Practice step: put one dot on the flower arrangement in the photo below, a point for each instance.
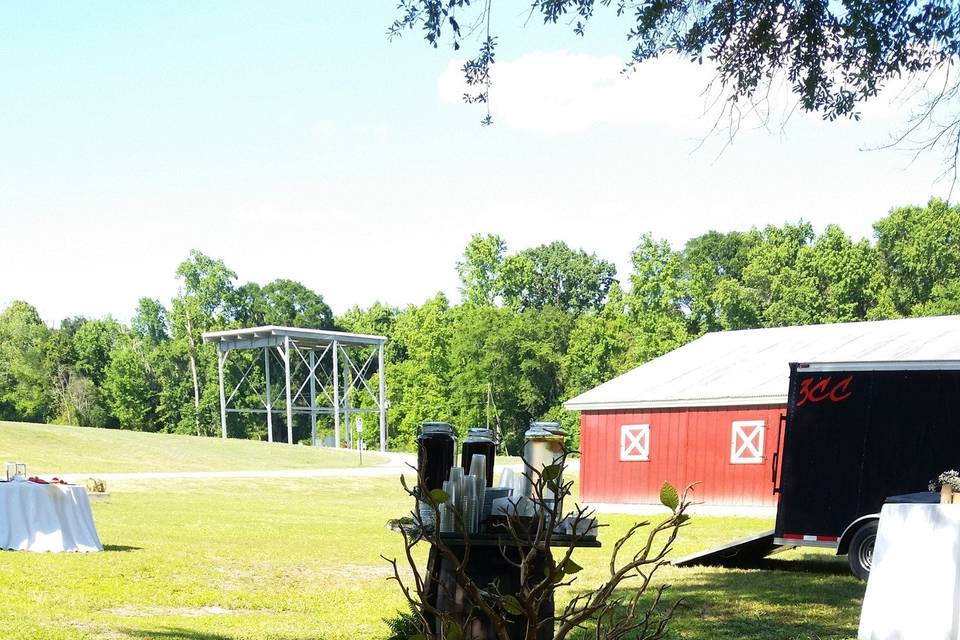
(948, 483)
(950, 478)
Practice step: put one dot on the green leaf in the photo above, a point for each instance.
(417, 636)
(570, 567)
(682, 518)
(439, 496)
(552, 472)
(512, 605)
(669, 496)
(454, 631)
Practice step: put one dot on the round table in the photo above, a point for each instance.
(46, 517)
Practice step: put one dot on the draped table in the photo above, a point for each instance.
(46, 517)
(914, 588)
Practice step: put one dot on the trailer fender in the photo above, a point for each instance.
(843, 544)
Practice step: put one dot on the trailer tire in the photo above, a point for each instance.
(860, 553)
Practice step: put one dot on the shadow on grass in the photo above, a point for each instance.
(809, 600)
(177, 633)
(120, 547)
(826, 566)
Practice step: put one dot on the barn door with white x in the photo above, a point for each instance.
(635, 442)
(746, 446)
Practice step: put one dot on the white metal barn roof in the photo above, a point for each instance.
(750, 367)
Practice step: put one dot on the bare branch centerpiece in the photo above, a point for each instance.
(493, 572)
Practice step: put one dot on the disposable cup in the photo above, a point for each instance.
(478, 466)
(506, 478)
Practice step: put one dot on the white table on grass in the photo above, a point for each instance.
(46, 517)
(914, 587)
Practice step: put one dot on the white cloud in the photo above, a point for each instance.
(555, 92)
(560, 92)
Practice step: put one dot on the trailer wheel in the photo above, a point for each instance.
(860, 553)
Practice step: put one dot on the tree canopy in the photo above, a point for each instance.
(551, 275)
(834, 55)
(522, 340)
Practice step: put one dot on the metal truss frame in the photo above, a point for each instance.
(322, 373)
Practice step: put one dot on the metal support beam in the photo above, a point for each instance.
(382, 393)
(313, 398)
(348, 384)
(286, 372)
(221, 356)
(312, 387)
(269, 403)
(335, 374)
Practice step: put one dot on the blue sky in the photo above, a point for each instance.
(292, 139)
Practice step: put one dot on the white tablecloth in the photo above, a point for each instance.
(914, 587)
(46, 517)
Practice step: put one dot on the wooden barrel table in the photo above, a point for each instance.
(485, 566)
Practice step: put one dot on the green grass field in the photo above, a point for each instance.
(299, 559)
(56, 449)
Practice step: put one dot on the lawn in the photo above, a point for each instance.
(299, 559)
(54, 449)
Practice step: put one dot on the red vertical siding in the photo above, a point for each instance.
(686, 445)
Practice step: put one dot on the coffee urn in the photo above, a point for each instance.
(543, 447)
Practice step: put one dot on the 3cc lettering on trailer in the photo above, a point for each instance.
(819, 389)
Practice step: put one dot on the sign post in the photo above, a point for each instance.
(359, 423)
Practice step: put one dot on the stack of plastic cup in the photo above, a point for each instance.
(454, 490)
(478, 470)
(446, 510)
(456, 477)
(481, 489)
(478, 467)
(520, 484)
(507, 479)
(470, 505)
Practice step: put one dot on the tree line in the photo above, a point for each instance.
(534, 327)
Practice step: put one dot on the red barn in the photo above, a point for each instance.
(710, 410)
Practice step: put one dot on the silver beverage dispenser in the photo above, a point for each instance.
(543, 447)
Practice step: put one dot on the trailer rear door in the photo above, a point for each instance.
(823, 455)
(914, 433)
(858, 433)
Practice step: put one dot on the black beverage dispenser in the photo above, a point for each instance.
(479, 440)
(435, 453)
